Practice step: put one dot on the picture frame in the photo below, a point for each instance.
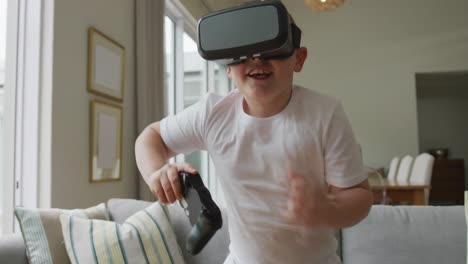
(106, 66)
(105, 160)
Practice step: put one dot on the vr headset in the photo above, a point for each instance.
(256, 29)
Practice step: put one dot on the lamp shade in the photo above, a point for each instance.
(323, 5)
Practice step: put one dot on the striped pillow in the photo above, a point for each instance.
(145, 237)
(42, 234)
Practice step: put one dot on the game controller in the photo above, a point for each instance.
(209, 219)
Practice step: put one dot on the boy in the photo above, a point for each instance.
(285, 157)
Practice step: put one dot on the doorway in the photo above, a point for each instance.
(442, 108)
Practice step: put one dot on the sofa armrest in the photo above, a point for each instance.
(406, 235)
(12, 249)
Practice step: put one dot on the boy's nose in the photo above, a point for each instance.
(256, 59)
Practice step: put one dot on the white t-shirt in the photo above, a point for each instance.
(251, 155)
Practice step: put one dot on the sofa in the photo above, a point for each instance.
(390, 234)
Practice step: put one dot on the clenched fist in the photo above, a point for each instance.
(308, 202)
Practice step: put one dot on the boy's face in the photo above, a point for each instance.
(265, 81)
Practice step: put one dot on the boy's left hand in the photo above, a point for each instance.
(309, 203)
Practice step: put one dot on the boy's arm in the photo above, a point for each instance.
(349, 205)
(150, 150)
(151, 155)
(312, 205)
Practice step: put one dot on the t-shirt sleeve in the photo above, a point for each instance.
(343, 161)
(185, 131)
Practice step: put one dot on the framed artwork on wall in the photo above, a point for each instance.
(106, 66)
(105, 162)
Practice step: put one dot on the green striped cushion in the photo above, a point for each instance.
(145, 237)
(42, 233)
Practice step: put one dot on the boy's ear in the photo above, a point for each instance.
(229, 72)
(301, 56)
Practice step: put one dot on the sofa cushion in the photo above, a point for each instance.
(215, 252)
(42, 234)
(407, 235)
(121, 209)
(145, 237)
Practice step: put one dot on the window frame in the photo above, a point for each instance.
(28, 95)
(185, 22)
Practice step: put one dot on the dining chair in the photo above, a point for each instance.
(392, 170)
(422, 172)
(372, 172)
(404, 169)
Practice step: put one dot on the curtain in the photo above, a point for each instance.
(149, 70)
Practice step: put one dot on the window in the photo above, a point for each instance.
(194, 87)
(27, 34)
(188, 78)
(169, 82)
(2, 93)
(195, 72)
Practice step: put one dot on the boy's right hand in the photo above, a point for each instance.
(165, 183)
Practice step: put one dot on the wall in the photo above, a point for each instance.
(71, 101)
(366, 54)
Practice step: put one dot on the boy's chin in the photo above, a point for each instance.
(261, 94)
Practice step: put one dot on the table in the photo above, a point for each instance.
(398, 192)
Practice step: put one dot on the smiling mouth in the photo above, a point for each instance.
(259, 75)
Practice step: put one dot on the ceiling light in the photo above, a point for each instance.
(323, 5)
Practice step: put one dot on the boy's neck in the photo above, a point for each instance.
(262, 110)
